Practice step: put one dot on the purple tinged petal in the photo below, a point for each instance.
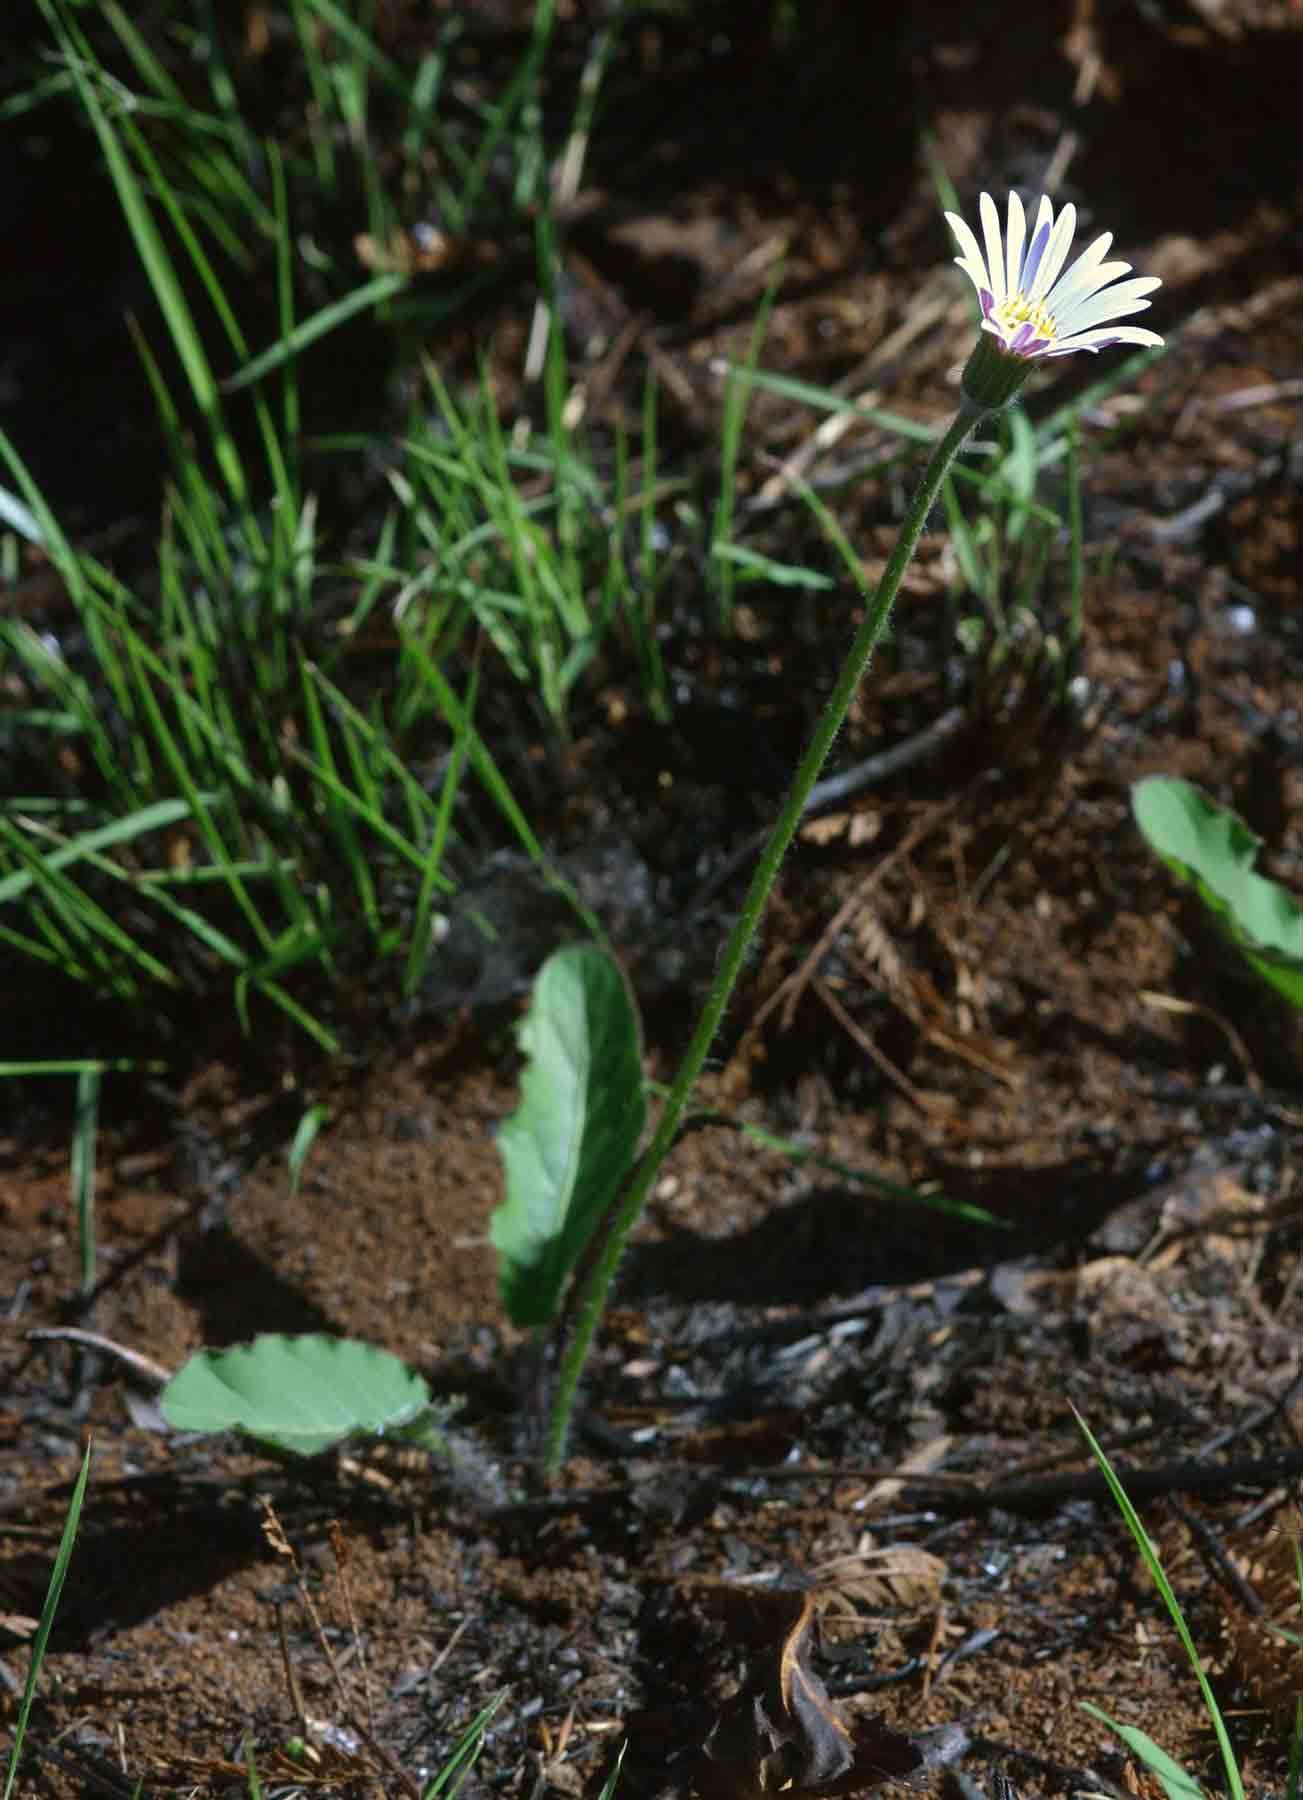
(1055, 254)
(1034, 256)
(1040, 237)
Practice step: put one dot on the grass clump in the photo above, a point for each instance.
(228, 786)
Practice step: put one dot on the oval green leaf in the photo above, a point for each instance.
(572, 1140)
(1213, 851)
(300, 1394)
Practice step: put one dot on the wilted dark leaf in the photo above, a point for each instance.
(782, 1730)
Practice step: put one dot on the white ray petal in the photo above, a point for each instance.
(994, 252)
(1086, 266)
(1078, 285)
(1014, 238)
(1086, 322)
(1113, 303)
(971, 261)
(1096, 340)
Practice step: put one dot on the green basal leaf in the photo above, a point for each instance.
(1176, 1783)
(300, 1394)
(1213, 851)
(571, 1141)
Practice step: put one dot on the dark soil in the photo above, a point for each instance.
(974, 976)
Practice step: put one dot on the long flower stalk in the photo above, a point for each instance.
(1030, 310)
(592, 1303)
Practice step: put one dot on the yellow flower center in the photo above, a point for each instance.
(1016, 310)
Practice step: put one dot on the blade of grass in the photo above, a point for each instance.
(648, 571)
(389, 761)
(613, 1779)
(150, 248)
(78, 1065)
(85, 1122)
(964, 545)
(104, 837)
(291, 411)
(329, 318)
(889, 1190)
(253, 1779)
(388, 834)
(84, 917)
(305, 1136)
(75, 697)
(462, 1760)
(500, 793)
(226, 143)
(17, 517)
(515, 96)
(1158, 1576)
(344, 26)
(419, 946)
(1076, 542)
(237, 958)
(41, 1641)
(1017, 471)
(1177, 1783)
(175, 308)
(738, 384)
(341, 817)
(307, 1022)
(200, 809)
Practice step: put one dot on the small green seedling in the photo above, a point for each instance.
(1213, 851)
(566, 1149)
(303, 1395)
(569, 1145)
(464, 1754)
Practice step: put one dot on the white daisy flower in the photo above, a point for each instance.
(1032, 309)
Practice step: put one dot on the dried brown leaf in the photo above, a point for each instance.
(895, 1575)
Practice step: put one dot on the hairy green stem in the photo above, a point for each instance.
(593, 1301)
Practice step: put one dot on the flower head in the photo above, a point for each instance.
(1028, 305)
